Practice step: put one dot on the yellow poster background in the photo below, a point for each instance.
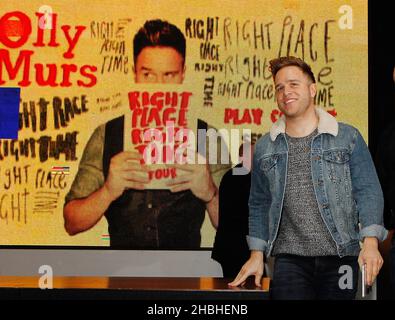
(229, 71)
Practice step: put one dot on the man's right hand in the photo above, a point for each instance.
(254, 266)
(125, 172)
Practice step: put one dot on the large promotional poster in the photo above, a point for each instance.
(102, 106)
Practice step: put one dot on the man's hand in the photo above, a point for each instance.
(370, 256)
(125, 172)
(254, 266)
(196, 177)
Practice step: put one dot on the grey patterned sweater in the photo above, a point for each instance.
(302, 230)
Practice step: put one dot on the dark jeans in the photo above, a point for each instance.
(311, 278)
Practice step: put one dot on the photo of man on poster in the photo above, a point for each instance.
(111, 182)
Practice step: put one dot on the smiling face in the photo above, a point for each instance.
(294, 91)
(159, 65)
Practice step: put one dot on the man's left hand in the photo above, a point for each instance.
(370, 256)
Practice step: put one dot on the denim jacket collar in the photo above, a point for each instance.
(326, 124)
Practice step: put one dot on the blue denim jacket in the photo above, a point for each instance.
(345, 183)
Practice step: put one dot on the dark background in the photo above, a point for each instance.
(381, 43)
